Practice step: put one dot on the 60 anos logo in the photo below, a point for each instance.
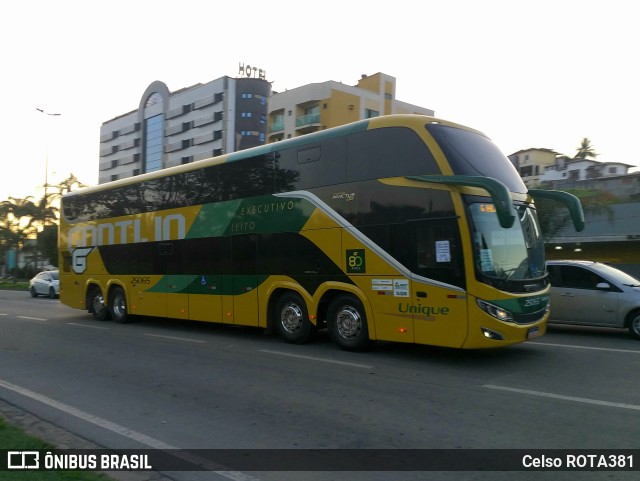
(356, 261)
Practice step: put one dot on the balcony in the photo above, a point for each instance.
(307, 120)
(276, 127)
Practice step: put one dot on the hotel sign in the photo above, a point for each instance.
(251, 72)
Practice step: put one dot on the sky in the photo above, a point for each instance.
(529, 74)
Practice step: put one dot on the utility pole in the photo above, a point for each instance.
(46, 159)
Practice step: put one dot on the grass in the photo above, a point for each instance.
(16, 439)
(15, 286)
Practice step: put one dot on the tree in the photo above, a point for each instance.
(17, 223)
(22, 219)
(585, 150)
(48, 215)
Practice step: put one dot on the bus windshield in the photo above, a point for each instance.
(509, 259)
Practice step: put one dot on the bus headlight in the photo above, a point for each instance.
(495, 311)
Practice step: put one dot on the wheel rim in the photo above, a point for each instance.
(635, 325)
(119, 306)
(348, 322)
(98, 303)
(291, 317)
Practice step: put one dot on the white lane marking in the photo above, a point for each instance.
(175, 338)
(319, 359)
(564, 398)
(31, 318)
(87, 325)
(116, 428)
(113, 427)
(3, 314)
(630, 351)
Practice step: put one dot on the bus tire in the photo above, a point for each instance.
(118, 306)
(347, 323)
(292, 321)
(97, 306)
(634, 324)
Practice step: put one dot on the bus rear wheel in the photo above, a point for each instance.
(292, 320)
(118, 306)
(347, 323)
(96, 304)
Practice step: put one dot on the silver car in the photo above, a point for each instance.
(46, 283)
(594, 294)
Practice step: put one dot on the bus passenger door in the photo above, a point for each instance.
(205, 298)
(243, 282)
(209, 259)
(439, 312)
(440, 315)
(176, 284)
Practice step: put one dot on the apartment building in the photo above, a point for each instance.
(320, 106)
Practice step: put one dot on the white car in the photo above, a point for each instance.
(46, 283)
(594, 294)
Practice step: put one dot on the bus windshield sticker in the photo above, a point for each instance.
(486, 260)
(401, 287)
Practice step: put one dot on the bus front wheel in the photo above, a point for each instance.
(96, 304)
(292, 321)
(347, 323)
(118, 306)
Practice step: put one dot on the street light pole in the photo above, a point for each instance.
(46, 160)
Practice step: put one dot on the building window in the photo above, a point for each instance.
(369, 113)
(153, 143)
(312, 110)
(154, 98)
(262, 137)
(247, 95)
(246, 115)
(388, 97)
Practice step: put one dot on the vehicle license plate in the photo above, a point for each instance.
(533, 332)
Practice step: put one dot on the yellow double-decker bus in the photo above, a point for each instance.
(400, 228)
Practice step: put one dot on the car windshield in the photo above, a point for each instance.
(508, 258)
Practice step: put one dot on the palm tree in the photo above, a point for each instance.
(17, 222)
(585, 151)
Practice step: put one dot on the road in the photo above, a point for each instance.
(164, 384)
